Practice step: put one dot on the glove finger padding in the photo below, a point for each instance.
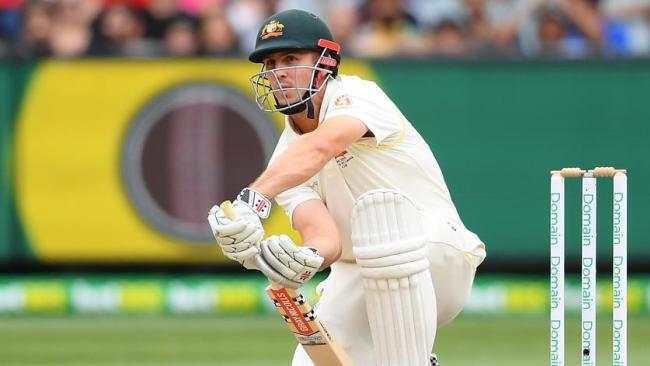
(298, 255)
(240, 250)
(276, 257)
(283, 262)
(235, 248)
(227, 228)
(247, 234)
(239, 239)
(243, 255)
(272, 275)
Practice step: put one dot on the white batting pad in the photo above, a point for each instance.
(388, 240)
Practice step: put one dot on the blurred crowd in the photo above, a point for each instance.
(365, 28)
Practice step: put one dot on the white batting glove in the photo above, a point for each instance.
(239, 239)
(287, 264)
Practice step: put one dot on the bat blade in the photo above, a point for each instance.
(305, 325)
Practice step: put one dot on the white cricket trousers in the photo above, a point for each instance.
(454, 255)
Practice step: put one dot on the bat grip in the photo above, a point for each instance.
(228, 209)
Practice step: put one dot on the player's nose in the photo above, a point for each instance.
(282, 74)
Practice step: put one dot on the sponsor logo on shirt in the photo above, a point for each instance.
(343, 158)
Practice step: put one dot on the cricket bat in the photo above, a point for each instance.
(302, 321)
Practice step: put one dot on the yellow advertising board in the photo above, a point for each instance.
(74, 200)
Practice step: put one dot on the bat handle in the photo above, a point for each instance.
(228, 209)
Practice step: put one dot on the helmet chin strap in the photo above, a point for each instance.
(304, 104)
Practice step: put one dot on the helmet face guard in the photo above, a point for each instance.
(271, 96)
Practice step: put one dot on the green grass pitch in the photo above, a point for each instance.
(264, 341)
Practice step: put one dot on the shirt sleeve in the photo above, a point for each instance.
(290, 199)
(371, 106)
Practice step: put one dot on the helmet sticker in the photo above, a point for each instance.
(273, 29)
(327, 61)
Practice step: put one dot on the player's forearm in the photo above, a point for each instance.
(328, 248)
(301, 161)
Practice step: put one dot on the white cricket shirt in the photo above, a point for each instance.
(397, 157)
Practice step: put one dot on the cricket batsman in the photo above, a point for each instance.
(366, 194)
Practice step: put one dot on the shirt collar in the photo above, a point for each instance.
(332, 87)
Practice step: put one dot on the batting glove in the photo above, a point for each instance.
(239, 238)
(287, 264)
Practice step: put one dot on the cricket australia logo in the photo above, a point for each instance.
(343, 158)
(342, 101)
(273, 29)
